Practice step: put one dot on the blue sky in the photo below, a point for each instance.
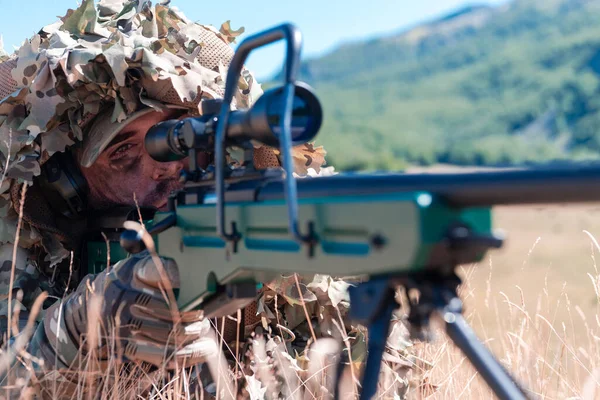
(324, 23)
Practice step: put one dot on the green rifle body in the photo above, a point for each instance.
(366, 236)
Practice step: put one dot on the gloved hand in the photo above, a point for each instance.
(133, 303)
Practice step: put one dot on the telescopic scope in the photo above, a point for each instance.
(171, 140)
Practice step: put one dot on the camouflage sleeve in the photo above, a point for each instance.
(16, 304)
(28, 359)
(25, 289)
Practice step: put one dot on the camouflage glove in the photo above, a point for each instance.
(129, 305)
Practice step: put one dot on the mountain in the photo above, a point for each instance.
(481, 86)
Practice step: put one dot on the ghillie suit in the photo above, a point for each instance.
(115, 60)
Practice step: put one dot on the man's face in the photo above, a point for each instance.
(125, 169)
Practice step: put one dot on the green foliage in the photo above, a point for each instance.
(485, 87)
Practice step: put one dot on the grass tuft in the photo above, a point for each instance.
(539, 313)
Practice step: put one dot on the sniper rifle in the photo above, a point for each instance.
(232, 228)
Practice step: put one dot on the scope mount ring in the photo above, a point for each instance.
(293, 37)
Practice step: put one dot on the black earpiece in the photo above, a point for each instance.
(64, 185)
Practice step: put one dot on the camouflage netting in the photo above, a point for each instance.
(110, 55)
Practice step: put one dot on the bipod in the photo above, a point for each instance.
(372, 304)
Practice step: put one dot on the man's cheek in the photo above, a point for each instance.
(142, 189)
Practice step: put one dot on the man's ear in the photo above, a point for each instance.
(65, 186)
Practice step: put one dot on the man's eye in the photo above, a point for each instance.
(121, 151)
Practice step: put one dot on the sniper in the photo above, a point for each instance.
(77, 100)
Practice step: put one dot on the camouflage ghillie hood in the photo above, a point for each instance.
(119, 55)
(122, 55)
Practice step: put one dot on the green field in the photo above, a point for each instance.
(485, 86)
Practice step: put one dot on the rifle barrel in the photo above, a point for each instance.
(570, 184)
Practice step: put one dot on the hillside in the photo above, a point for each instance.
(482, 86)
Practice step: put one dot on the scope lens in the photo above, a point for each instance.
(306, 115)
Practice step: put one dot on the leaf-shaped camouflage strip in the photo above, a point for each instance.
(43, 99)
(56, 140)
(3, 54)
(166, 19)
(229, 33)
(307, 156)
(29, 62)
(286, 287)
(83, 20)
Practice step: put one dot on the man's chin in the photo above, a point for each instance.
(165, 188)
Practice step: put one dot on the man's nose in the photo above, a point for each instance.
(167, 170)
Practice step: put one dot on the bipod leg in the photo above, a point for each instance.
(372, 304)
(498, 379)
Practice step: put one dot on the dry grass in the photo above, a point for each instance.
(535, 303)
